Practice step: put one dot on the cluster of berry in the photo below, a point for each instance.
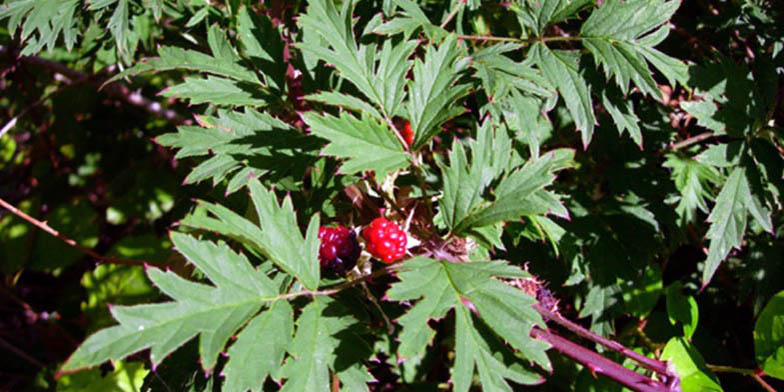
(340, 250)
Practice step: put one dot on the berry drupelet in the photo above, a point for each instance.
(385, 240)
(339, 249)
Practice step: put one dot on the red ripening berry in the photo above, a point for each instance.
(339, 249)
(385, 240)
(408, 133)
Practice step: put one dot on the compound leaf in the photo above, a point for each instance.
(214, 312)
(441, 285)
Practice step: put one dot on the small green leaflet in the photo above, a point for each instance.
(538, 14)
(441, 285)
(561, 68)
(692, 179)
(259, 349)
(223, 62)
(49, 18)
(433, 92)
(217, 91)
(477, 347)
(214, 312)
(769, 337)
(261, 42)
(690, 366)
(500, 74)
(413, 18)
(126, 377)
(622, 112)
(728, 220)
(615, 34)
(282, 239)
(316, 350)
(365, 143)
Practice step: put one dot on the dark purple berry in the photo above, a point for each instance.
(339, 249)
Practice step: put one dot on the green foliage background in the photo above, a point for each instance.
(626, 153)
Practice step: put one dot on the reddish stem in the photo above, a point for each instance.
(43, 226)
(598, 364)
(647, 363)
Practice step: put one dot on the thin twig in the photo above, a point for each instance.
(756, 374)
(488, 38)
(762, 383)
(116, 89)
(691, 140)
(20, 353)
(452, 14)
(374, 301)
(45, 227)
(69, 84)
(334, 290)
(729, 369)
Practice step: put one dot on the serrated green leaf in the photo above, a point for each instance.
(618, 46)
(519, 193)
(482, 351)
(259, 349)
(440, 286)
(769, 337)
(249, 144)
(365, 143)
(47, 18)
(690, 366)
(537, 15)
(380, 76)
(262, 43)
(705, 112)
(214, 312)
(433, 92)
(622, 112)
(561, 68)
(217, 91)
(722, 155)
(464, 183)
(598, 302)
(411, 19)
(728, 220)
(120, 27)
(315, 351)
(170, 58)
(500, 74)
(693, 180)
(281, 238)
